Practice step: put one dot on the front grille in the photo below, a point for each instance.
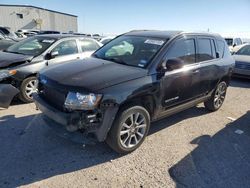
(242, 65)
(52, 96)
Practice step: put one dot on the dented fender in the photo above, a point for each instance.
(7, 93)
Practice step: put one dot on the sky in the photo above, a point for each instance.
(119, 16)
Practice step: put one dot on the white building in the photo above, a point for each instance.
(30, 17)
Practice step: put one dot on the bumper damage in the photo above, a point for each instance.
(96, 123)
(7, 93)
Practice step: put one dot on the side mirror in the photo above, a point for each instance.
(51, 55)
(54, 54)
(234, 45)
(172, 64)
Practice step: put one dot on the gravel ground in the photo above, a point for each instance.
(191, 149)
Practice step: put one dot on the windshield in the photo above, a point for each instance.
(244, 50)
(131, 50)
(229, 41)
(33, 46)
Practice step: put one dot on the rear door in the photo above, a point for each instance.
(67, 50)
(209, 64)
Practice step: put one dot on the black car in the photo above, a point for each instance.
(20, 63)
(135, 79)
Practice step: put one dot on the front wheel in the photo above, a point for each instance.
(129, 130)
(28, 87)
(217, 98)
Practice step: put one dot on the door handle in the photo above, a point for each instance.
(78, 58)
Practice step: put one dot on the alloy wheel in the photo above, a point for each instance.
(30, 88)
(133, 130)
(220, 94)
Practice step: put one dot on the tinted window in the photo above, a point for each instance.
(184, 50)
(220, 48)
(244, 50)
(88, 45)
(205, 50)
(66, 48)
(229, 41)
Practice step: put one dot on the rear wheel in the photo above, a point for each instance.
(129, 129)
(28, 87)
(217, 98)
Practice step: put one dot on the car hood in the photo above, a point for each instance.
(91, 74)
(10, 59)
(242, 58)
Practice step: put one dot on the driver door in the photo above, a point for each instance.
(181, 84)
(65, 51)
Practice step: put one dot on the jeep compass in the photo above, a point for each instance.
(137, 78)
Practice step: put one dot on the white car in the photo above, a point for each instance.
(242, 61)
(232, 42)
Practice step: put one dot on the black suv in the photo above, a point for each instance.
(137, 78)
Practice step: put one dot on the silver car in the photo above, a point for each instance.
(242, 61)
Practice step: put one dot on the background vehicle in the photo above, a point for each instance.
(233, 42)
(48, 32)
(142, 76)
(5, 42)
(106, 39)
(20, 63)
(242, 61)
(7, 33)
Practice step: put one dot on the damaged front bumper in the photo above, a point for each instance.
(7, 93)
(77, 120)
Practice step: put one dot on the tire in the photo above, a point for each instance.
(26, 89)
(217, 98)
(125, 136)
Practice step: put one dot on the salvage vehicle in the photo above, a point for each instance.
(242, 62)
(20, 63)
(137, 78)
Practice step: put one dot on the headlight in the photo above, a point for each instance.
(7, 73)
(78, 101)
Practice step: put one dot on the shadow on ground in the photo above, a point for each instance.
(240, 82)
(218, 161)
(31, 152)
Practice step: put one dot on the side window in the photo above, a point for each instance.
(183, 49)
(88, 45)
(220, 47)
(238, 41)
(205, 50)
(67, 47)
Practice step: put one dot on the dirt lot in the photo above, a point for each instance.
(191, 149)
